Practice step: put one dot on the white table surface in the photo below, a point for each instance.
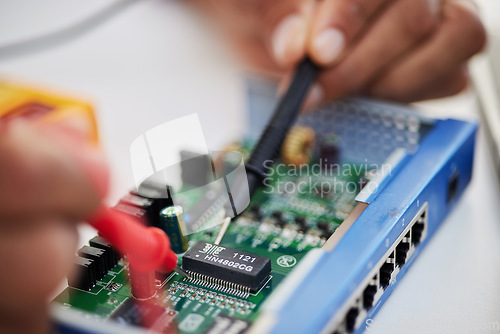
(155, 62)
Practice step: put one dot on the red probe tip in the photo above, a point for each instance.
(147, 248)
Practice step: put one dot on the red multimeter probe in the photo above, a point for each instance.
(147, 248)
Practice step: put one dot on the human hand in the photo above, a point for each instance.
(404, 50)
(50, 179)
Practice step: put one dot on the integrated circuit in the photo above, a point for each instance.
(228, 265)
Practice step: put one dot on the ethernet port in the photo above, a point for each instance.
(416, 231)
(385, 274)
(350, 319)
(401, 251)
(452, 186)
(369, 296)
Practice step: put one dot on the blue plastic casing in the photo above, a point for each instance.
(435, 175)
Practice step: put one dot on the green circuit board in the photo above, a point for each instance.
(280, 225)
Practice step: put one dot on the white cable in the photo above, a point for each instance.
(65, 35)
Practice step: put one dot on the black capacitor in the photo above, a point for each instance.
(325, 234)
(84, 277)
(99, 258)
(279, 222)
(301, 221)
(256, 211)
(302, 228)
(278, 219)
(325, 229)
(173, 224)
(111, 254)
(277, 215)
(329, 152)
(302, 224)
(323, 226)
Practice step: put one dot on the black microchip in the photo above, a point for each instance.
(227, 264)
(225, 324)
(85, 276)
(110, 253)
(98, 256)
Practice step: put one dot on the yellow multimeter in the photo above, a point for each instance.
(42, 105)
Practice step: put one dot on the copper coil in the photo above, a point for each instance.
(298, 146)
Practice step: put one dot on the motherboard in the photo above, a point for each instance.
(309, 191)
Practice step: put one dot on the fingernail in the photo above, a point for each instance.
(468, 5)
(328, 45)
(315, 97)
(289, 38)
(434, 7)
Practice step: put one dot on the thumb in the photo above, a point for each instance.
(48, 172)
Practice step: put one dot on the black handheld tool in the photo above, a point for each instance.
(269, 144)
